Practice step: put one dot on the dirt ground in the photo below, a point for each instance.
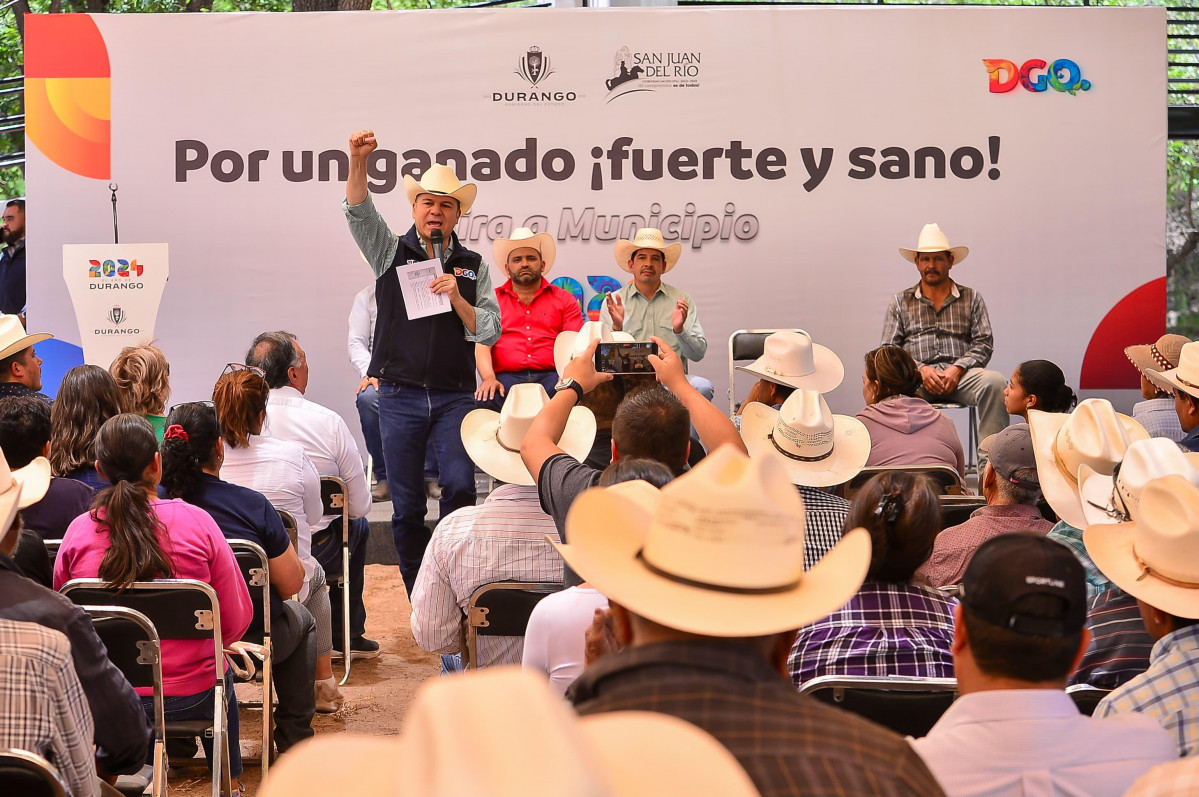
(377, 694)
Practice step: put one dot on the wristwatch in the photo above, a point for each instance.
(566, 383)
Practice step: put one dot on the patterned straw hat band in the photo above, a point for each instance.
(1146, 570)
(797, 457)
(1160, 359)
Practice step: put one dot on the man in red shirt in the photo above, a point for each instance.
(532, 313)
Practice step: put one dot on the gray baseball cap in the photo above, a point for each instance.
(1009, 451)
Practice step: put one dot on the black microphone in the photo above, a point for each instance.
(436, 239)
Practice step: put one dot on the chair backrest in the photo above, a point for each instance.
(745, 345)
(908, 706)
(1086, 697)
(502, 608)
(945, 479)
(182, 608)
(52, 547)
(333, 496)
(28, 775)
(956, 509)
(256, 570)
(290, 524)
(134, 648)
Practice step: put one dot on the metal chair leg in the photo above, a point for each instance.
(345, 598)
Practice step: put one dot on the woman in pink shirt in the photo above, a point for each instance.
(133, 535)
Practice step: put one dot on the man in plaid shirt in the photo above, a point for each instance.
(946, 329)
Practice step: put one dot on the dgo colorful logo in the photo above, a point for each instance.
(67, 104)
(1035, 75)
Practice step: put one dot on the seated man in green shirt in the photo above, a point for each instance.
(648, 306)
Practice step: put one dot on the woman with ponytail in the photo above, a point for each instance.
(192, 454)
(281, 471)
(1038, 385)
(133, 535)
(892, 626)
(904, 428)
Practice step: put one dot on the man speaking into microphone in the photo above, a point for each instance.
(425, 364)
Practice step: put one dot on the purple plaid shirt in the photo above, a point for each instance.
(885, 629)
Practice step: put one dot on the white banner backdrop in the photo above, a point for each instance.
(792, 150)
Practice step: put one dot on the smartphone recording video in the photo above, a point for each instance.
(625, 358)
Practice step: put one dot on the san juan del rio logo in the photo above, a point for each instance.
(635, 70)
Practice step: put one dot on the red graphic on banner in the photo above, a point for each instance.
(1140, 317)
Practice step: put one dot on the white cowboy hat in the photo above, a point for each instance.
(1094, 434)
(1116, 497)
(524, 238)
(500, 732)
(492, 439)
(1159, 356)
(819, 449)
(647, 238)
(13, 337)
(1155, 558)
(440, 179)
(1185, 377)
(791, 358)
(721, 554)
(569, 345)
(933, 240)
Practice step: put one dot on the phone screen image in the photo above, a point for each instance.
(625, 358)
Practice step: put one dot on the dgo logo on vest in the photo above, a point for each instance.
(1035, 75)
(465, 272)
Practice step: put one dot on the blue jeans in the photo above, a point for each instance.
(199, 707)
(546, 379)
(368, 417)
(408, 418)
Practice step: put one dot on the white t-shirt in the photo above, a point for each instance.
(554, 639)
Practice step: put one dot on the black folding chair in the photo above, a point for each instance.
(909, 706)
(179, 609)
(745, 345)
(1087, 697)
(945, 479)
(291, 525)
(255, 569)
(28, 775)
(52, 547)
(957, 509)
(501, 608)
(134, 648)
(335, 497)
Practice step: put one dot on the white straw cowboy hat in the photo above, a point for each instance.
(1185, 377)
(933, 240)
(819, 449)
(721, 554)
(440, 179)
(492, 439)
(1162, 355)
(1116, 497)
(500, 732)
(791, 358)
(1155, 558)
(1094, 434)
(647, 238)
(14, 338)
(569, 345)
(524, 238)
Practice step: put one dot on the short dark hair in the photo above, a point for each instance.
(7, 363)
(654, 424)
(1003, 653)
(24, 429)
(1027, 492)
(903, 515)
(636, 469)
(274, 353)
(20, 203)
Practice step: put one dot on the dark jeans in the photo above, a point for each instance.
(199, 707)
(546, 379)
(326, 549)
(293, 659)
(368, 416)
(408, 418)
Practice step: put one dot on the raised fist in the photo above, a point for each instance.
(363, 143)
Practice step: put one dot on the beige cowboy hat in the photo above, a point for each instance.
(440, 179)
(1116, 497)
(819, 449)
(1155, 558)
(492, 439)
(14, 338)
(1160, 356)
(647, 238)
(569, 345)
(1094, 434)
(500, 732)
(1185, 376)
(524, 238)
(789, 357)
(933, 240)
(721, 554)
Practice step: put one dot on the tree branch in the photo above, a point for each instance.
(1180, 254)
